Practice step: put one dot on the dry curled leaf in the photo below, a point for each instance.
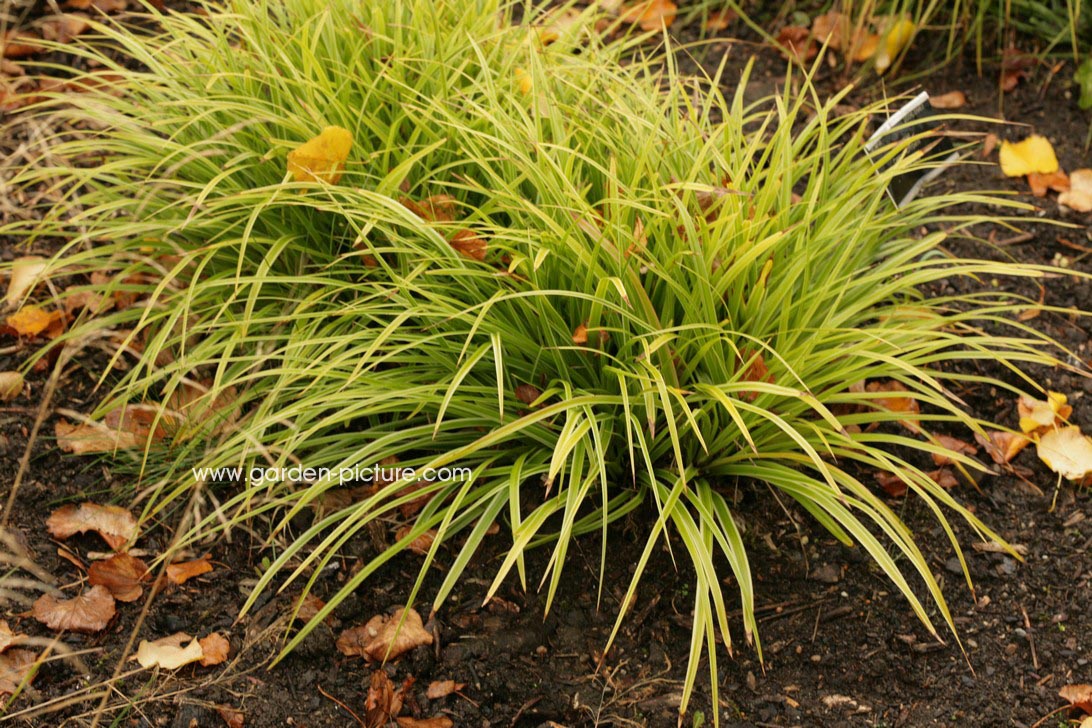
(944, 477)
(437, 721)
(232, 717)
(63, 28)
(168, 653)
(469, 243)
(580, 334)
(1034, 154)
(1037, 415)
(24, 276)
(1079, 195)
(436, 208)
(183, 571)
(383, 701)
(1078, 696)
(950, 100)
(756, 371)
(527, 393)
(16, 669)
(1067, 452)
(419, 545)
(91, 437)
(321, 158)
(19, 44)
(896, 403)
(385, 637)
(442, 688)
(796, 43)
(892, 484)
(121, 574)
(11, 385)
(1002, 447)
(89, 612)
(214, 649)
(1040, 183)
(651, 15)
(32, 320)
(7, 637)
(718, 20)
(116, 525)
(955, 445)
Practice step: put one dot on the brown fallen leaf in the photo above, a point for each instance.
(385, 637)
(89, 612)
(1079, 195)
(24, 276)
(580, 334)
(32, 320)
(91, 437)
(944, 477)
(1040, 183)
(419, 545)
(436, 208)
(438, 721)
(955, 445)
(442, 688)
(650, 15)
(16, 669)
(469, 243)
(63, 28)
(121, 574)
(383, 701)
(1078, 696)
(989, 144)
(183, 571)
(168, 653)
(232, 717)
(11, 385)
(892, 484)
(7, 637)
(718, 20)
(950, 100)
(19, 44)
(1038, 415)
(756, 371)
(116, 525)
(1002, 447)
(896, 403)
(527, 393)
(796, 44)
(214, 649)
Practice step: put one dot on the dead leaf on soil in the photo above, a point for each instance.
(116, 525)
(321, 158)
(1002, 447)
(214, 649)
(650, 15)
(1034, 154)
(383, 701)
(1078, 696)
(16, 668)
(442, 688)
(384, 638)
(168, 653)
(1079, 195)
(232, 717)
(183, 571)
(950, 100)
(1036, 415)
(121, 574)
(7, 637)
(718, 20)
(437, 721)
(1067, 452)
(756, 371)
(19, 44)
(527, 393)
(955, 445)
(32, 320)
(896, 404)
(419, 545)
(469, 243)
(892, 484)
(1040, 183)
(63, 28)
(436, 208)
(11, 385)
(944, 477)
(795, 43)
(89, 612)
(24, 276)
(895, 41)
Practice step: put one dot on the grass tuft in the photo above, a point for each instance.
(655, 294)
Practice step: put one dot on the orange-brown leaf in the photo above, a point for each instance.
(580, 334)
(121, 574)
(89, 612)
(115, 524)
(1057, 180)
(16, 668)
(384, 638)
(442, 688)
(469, 243)
(1002, 447)
(796, 43)
(232, 717)
(955, 445)
(1078, 696)
(419, 545)
(651, 15)
(896, 403)
(215, 649)
(183, 571)
(32, 320)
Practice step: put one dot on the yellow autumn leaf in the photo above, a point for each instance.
(321, 158)
(1034, 154)
(896, 39)
(1036, 414)
(1067, 452)
(523, 80)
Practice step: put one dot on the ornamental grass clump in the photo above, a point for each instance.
(412, 233)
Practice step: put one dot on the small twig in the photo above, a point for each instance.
(343, 706)
(1046, 717)
(1031, 639)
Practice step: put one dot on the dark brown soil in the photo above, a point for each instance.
(841, 647)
